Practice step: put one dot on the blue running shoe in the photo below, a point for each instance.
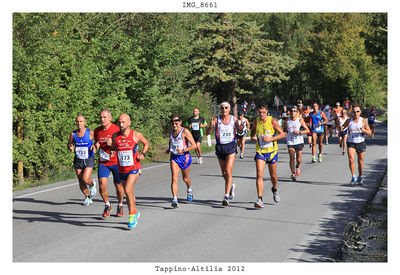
(189, 195)
(133, 220)
(359, 180)
(353, 180)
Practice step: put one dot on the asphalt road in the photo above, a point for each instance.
(51, 225)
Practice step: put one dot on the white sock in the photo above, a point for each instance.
(108, 203)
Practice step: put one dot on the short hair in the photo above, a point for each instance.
(176, 116)
(262, 106)
(356, 105)
(106, 110)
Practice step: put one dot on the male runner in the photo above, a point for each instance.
(242, 133)
(336, 113)
(82, 138)
(196, 123)
(225, 126)
(180, 158)
(346, 104)
(126, 144)
(266, 131)
(372, 120)
(307, 120)
(295, 140)
(329, 124)
(318, 119)
(357, 128)
(108, 162)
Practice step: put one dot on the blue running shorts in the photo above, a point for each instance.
(270, 158)
(104, 172)
(124, 176)
(183, 161)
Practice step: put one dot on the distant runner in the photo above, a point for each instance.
(242, 133)
(295, 140)
(108, 162)
(318, 119)
(307, 120)
(180, 158)
(196, 123)
(372, 120)
(83, 138)
(336, 113)
(225, 126)
(126, 143)
(357, 128)
(266, 131)
(343, 133)
(329, 124)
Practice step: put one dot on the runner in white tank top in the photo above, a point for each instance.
(295, 140)
(340, 120)
(357, 129)
(242, 133)
(329, 124)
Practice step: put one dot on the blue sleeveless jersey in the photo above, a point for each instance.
(83, 142)
(316, 118)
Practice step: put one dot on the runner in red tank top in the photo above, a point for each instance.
(108, 162)
(125, 142)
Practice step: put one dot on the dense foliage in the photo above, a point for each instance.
(152, 65)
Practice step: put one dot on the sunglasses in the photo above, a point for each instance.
(224, 107)
(175, 120)
(356, 111)
(293, 111)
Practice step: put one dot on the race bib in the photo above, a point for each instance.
(195, 126)
(355, 135)
(82, 152)
(318, 128)
(263, 144)
(125, 158)
(104, 156)
(226, 137)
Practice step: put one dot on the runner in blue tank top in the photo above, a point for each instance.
(83, 138)
(371, 120)
(318, 119)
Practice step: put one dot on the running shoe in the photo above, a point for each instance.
(259, 204)
(189, 195)
(314, 159)
(343, 153)
(106, 211)
(320, 158)
(88, 201)
(373, 136)
(353, 180)
(359, 180)
(326, 142)
(298, 171)
(120, 211)
(133, 220)
(241, 156)
(93, 190)
(310, 145)
(232, 193)
(174, 203)
(293, 177)
(225, 202)
(276, 196)
(200, 160)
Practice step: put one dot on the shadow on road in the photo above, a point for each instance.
(326, 241)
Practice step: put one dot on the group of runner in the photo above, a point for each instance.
(119, 151)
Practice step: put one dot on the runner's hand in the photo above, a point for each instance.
(109, 141)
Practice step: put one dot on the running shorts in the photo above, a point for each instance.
(297, 147)
(319, 134)
(360, 147)
(342, 134)
(269, 158)
(104, 172)
(224, 150)
(197, 137)
(183, 161)
(124, 176)
(83, 163)
(371, 122)
(244, 134)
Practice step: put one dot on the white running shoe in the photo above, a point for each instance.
(92, 189)
(276, 196)
(200, 161)
(88, 201)
(232, 193)
(259, 204)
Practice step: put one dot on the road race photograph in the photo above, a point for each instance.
(199, 140)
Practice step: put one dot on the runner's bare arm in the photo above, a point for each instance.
(93, 147)
(145, 143)
(71, 143)
(253, 130)
(188, 136)
(324, 117)
(304, 125)
(212, 126)
(365, 129)
(278, 129)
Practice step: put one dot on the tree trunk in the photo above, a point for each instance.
(20, 170)
(233, 97)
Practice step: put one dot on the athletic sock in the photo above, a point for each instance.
(119, 204)
(175, 198)
(108, 203)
